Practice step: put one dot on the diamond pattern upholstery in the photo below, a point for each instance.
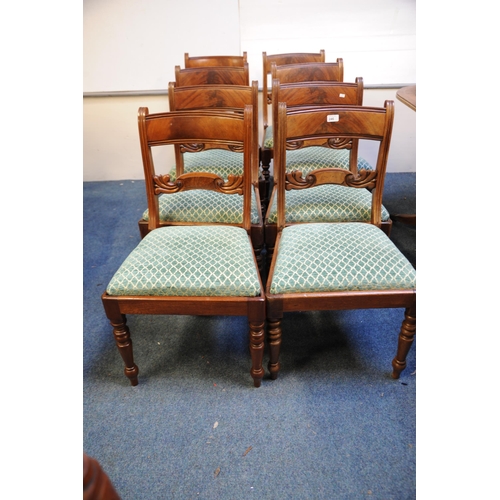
(218, 262)
(308, 159)
(339, 257)
(200, 205)
(218, 161)
(326, 203)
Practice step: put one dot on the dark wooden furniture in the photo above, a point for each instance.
(233, 99)
(302, 72)
(335, 266)
(207, 61)
(96, 483)
(408, 96)
(195, 269)
(309, 72)
(278, 59)
(214, 75)
(317, 93)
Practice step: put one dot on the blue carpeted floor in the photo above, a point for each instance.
(334, 425)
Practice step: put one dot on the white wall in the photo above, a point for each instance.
(133, 45)
(376, 38)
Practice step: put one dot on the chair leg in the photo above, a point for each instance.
(143, 228)
(406, 337)
(266, 157)
(269, 257)
(257, 352)
(257, 249)
(274, 334)
(124, 343)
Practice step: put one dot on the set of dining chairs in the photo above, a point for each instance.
(259, 223)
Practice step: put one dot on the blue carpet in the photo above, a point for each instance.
(334, 425)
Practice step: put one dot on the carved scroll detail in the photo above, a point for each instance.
(292, 145)
(163, 184)
(339, 143)
(186, 182)
(198, 147)
(332, 143)
(192, 148)
(365, 178)
(294, 180)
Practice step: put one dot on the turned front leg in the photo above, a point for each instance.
(257, 352)
(124, 343)
(406, 337)
(274, 336)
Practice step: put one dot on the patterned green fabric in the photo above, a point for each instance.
(189, 261)
(268, 137)
(326, 203)
(217, 161)
(339, 257)
(313, 157)
(200, 205)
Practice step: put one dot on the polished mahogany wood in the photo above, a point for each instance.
(309, 72)
(408, 95)
(295, 128)
(279, 59)
(96, 483)
(223, 97)
(206, 61)
(214, 75)
(213, 126)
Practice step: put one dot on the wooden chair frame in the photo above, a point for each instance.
(214, 75)
(296, 127)
(313, 93)
(266, 154)
(230, 98)
(279, 59)
(180, 127)
(207, 61)
(308, 72)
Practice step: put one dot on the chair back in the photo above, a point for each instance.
(279, 59)
(318, 93)
(336, 127)
(207, 61)
(231, 98)
(215, 75)
(309, 72)
(191, 127)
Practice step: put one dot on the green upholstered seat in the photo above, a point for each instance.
(217, 262)
(217, 161)
(339, 257)
(201, 205)
(326, 203)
